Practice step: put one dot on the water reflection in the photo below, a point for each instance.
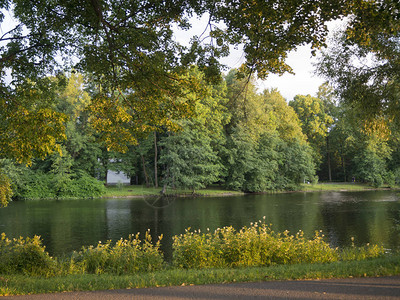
(64, 226)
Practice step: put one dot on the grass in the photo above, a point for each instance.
(346, 186)
(124, 191)
(387, 265)
(115, 191)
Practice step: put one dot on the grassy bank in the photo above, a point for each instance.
(123, 191)
(116, 191)
(345, 186)
(20, 284)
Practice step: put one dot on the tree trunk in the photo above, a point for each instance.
(164, 189)
(344, 168)
(155, 161)
(146, 177)
(329, 159)
(104, 159)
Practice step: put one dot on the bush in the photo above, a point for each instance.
(125, 257)
(25, 256)
(361, 253)
(36, 185)
(256, 245)
(83, 186)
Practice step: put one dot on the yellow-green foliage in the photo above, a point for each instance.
(26, 256)
(256, 245)
(360, 253)
(5, 190)
(125, 257)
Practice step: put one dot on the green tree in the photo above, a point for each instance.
(315, 122)
(251, 165)
(128, 47)
(190, 156)
(362, 64)
(189, 160)
(262, 136)
(282, 116)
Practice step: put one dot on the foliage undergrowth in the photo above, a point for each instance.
(253, 246)
(25, 256)
(258, 245)
(126, 256)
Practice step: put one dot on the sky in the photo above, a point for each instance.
(303, 82)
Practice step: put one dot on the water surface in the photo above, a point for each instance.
(369, 217)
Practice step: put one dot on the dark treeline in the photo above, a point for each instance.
(233, 136)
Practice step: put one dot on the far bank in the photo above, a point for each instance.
(132, 191)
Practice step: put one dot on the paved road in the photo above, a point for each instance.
(351, 288)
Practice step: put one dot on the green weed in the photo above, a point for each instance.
(256, 245)
(127, 256)
(25, 256)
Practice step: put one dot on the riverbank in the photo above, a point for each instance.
(137, 191)
(388, 265)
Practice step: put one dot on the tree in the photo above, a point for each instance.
(140, 70)
(314, 122)
(190, 156)
(29, 127)
(5, 190)
(251, 164)
(362, 63)
(128, 46)
(266, 149)
(283, 116)
(189, 160)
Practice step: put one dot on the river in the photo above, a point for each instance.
(64, 226)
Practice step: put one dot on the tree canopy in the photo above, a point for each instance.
(130, 51)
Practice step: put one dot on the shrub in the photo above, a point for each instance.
(256, 245)
(126, 257)
(84, 186)
(36, 185)
(361, 253)
(197, 250)
(25, 256)
(39, 185)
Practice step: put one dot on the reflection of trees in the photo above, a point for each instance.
(362, 215)
(393, 217)
(293, 212)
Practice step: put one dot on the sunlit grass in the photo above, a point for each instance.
(130, 190)
(123, 191)
(335, 187)
(140, 190)
(21, 284)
